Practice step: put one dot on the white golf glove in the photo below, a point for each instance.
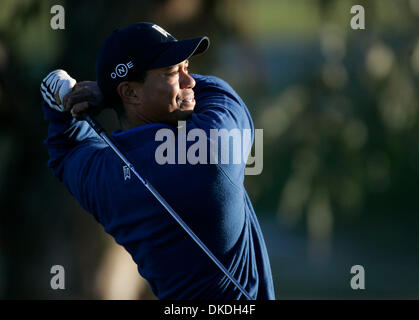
(56, 85)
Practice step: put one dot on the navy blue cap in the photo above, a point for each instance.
(137, 48)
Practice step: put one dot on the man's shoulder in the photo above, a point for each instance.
(206, 78)
(203, 81)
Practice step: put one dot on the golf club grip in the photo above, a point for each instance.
(95, 126)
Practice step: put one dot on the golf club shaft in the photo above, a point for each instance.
(101, 132)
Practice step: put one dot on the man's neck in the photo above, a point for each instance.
(127, 123)
(131, 119)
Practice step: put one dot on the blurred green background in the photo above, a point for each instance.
(339, 110)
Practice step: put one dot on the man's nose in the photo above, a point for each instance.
(186, 81)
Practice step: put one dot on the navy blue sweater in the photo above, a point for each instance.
(210, 198)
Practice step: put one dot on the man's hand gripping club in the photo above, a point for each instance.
(62, 93)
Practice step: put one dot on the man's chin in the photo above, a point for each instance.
(189, 108)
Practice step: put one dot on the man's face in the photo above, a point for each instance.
(167, 95)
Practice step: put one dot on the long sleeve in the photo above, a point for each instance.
(219, 108)
(73, 147)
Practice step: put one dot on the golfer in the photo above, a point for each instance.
(142, 73)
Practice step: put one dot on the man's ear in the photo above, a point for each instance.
(128, 92)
